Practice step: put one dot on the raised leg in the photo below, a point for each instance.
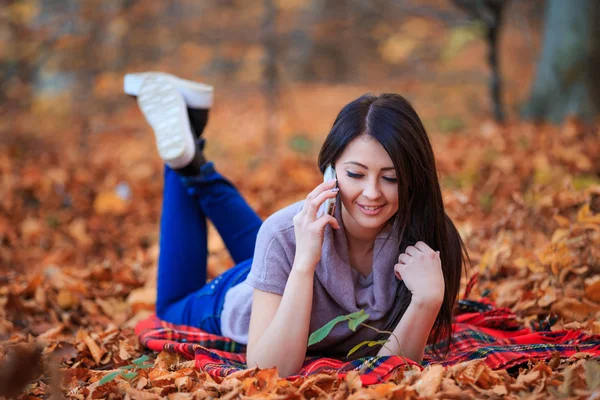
(183, 295)
(182, 261)
(193, 191)
(222, 204)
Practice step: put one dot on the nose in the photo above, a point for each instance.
(371, 190)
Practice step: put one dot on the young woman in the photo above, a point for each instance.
(389, 248)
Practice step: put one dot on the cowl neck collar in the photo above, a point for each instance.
(343, 283)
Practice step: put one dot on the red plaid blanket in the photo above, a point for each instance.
(482, 332)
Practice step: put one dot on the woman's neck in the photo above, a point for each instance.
(359, 239)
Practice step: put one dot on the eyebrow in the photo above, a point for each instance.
(365, 167)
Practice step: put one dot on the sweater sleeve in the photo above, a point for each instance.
(273, 257)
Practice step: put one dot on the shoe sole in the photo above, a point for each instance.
(196, 94)
(165, 110)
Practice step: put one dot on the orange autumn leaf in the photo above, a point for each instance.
(96, 352)
(430, 380)
(573, 309)
(585, 215)
(109, 202)
(592, 289)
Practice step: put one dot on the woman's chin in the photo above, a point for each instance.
(371, 223)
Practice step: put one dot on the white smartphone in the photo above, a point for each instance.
(329, 204)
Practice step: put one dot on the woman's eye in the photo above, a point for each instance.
(353, 175)
(358, 176)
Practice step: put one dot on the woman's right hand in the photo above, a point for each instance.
(309, 229)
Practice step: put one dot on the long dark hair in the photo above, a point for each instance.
(391, 120)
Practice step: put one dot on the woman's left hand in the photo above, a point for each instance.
(421, 270)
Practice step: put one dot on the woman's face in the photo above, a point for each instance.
(368, 183)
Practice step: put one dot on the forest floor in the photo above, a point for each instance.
(79, 244)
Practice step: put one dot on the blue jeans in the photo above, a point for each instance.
(183, 295)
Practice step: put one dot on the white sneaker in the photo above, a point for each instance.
(196, 94)
(165, 110)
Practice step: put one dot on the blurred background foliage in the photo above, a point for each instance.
(63, 61)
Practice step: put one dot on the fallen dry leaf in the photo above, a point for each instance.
(573, 309)
(430, 380)
(96, 352)
(592, 289)
(109, 202)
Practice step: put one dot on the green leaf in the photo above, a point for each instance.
(110, 377)
(354, 322)
(130, 375)
(145, 366)
(486, 202)
(127, 367)
(370, 343)
(582, 182)
(52, 221)
(460, 37)
(378, 342)
(141, 360)
(322, 332)
(301, 143)
(450, 124)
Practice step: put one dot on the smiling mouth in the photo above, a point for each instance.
(370, 208)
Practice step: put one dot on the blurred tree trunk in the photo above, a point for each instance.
(567, 81)
(301, 42)
(94, 16)
(490, 12)
(328, 59)
(271, 85)
(23, 48)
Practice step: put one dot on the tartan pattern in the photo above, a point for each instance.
(488, 333)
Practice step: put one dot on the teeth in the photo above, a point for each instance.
(371, 208)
